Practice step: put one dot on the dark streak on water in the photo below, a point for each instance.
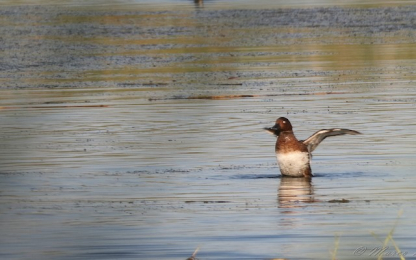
(91, 169)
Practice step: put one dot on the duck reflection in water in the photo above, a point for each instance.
(199, 3)
(295, 192)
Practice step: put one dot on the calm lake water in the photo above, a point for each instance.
(134, 131)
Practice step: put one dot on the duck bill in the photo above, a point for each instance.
(273, 130)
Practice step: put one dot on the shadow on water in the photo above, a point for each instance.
(256, 176)
(339, 175)
(315, 175)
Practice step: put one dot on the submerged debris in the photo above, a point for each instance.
(339, 201)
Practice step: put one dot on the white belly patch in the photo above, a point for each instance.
(293, 163)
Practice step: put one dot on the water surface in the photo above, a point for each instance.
(137, 134)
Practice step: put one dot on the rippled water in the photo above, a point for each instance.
(137, 134)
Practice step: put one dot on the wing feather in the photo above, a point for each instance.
(314, 140)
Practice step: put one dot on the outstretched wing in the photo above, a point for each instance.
(314, 140)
